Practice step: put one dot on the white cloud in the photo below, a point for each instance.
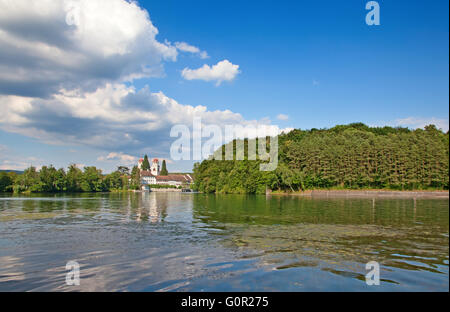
(63, 68)
(185, 47)
(204, 55)
(222, 71)
(13, 165)
(10, 161)
(113, 117)
(50, 45)
(415, 122)
(121, 157)
(282, 117)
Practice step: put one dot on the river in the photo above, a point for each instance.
(199, 242)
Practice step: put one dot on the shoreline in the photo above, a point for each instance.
(443, 194)
(160, 190)
(367, 193)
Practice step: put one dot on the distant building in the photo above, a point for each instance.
(154, 168)
(174, 179)
(153, 177)
(147, 178)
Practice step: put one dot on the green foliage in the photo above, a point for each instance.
(145, 163)
(51, 180)
(352, 156)
(135, 178)
(73, 179)
(114, 181)
(123, 170)
(92, 180)
(164, 171)
(27, 181)
(6, 181)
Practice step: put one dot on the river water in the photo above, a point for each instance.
(199, 242)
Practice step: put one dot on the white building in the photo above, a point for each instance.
(175, 180)
(147, 178)
(153, 177)
(154, 168)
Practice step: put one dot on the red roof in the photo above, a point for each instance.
(146, 174)
(155, 160)
(174, 177)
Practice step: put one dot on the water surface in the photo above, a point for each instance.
(198, 242)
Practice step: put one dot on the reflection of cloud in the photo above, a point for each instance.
(146, 257)
(9, 269)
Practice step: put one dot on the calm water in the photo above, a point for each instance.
(197, 242)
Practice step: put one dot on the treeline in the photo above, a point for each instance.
(52, 180)
(351, 156)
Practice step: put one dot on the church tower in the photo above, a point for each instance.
(154, 168)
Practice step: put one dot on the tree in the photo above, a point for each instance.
(5, 181)
(164, 171)
(123, 170)
(145, 164)
(114, 181)
(27, 180)
(47, 176)
(135, 178)
(60, 181)
(351, 156)
(73, 179)
(92, 180)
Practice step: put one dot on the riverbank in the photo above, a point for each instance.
(164, 190)
(366, 193)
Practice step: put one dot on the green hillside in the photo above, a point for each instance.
(353, 156)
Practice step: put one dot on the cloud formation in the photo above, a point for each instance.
(185, 47)
(114, 117)
(222, 71)
(121, 157)
(51, 45)
(10, 161)
(283, 117)
(63, 74)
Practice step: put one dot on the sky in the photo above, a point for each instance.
(102, 83)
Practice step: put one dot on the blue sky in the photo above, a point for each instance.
(316, 62)
(370, 74)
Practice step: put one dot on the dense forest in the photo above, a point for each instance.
(351, 156)
(52, 180)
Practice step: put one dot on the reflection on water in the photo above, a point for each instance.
(197, 242)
